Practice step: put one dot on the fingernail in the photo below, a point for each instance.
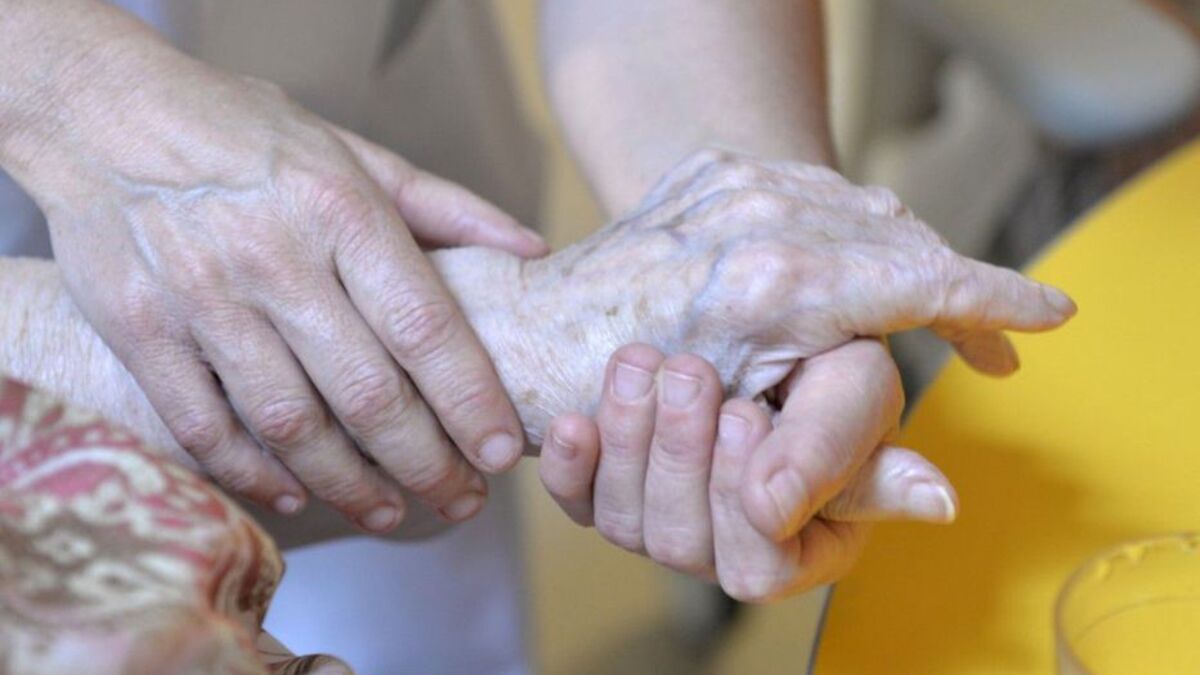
(381, 519)
(931, 502)
(732, 430)
(630, 382)
(464, 507)
(1059, 301)
(562, 448)
(679, 390)
(499, 451)
(287, 504)
(783, 490)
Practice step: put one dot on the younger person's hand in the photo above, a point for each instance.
(659, 471)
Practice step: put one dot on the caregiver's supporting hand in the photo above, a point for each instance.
(257, 269)
(660, 470)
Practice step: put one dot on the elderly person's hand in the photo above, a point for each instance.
(659, 472)
(759, 282)
(257, 270)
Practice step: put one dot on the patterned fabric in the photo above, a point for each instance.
(115, 560)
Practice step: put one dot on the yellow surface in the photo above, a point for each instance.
(1093, 442)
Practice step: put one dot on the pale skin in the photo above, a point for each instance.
(337, 211)
(257, 269)
(687, 273)
(637, 84)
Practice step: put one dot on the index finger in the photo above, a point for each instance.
(939, 289)
(403, 299)
(839, 405)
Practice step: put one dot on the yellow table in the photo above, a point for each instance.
(1093, 442)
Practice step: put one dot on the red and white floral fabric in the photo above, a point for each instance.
(115, 560)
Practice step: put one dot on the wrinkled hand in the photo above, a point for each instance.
(759, 268)
(659, 470)
(258, 272)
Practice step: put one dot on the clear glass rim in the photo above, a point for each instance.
(1063, 644)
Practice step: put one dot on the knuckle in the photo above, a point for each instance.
(740, 174)
(142, 315)
(419, 328)
(347, 490)
(199, 432)
(710, 156)
(475, 397)
(618, 446)
(882, 201)
(620, 529)
(340, 201)
(946, 281)
(287, 422)
(370, 398)
(681, 550)
(432, 476)
(758, 201)
(238, 476)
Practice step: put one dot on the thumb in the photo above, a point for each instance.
(439, 212)
(895, 484)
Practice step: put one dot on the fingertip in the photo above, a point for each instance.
(989, 353)
(1062, 303)
(499, 453)
(383, 518)
(288, 504)
(529, 244)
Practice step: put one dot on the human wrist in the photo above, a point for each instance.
(79, 69)
(497, 293)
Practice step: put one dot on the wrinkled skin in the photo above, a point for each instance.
(753, 279)
(259, 270)
(759, 282)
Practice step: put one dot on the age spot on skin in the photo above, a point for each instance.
(642, 309)
(612, 311)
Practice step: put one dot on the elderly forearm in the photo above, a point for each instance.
(45, 341)
(639, 84)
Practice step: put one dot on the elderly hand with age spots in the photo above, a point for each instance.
(767, 506)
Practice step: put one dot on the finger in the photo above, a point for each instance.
(375, 402)
(677, 522)
(273, 396)
(750, 567)
(937, 288)
(989, 352)
(440, 212)
(828, 551)
(403, 300)
(895, 484)
(839, 405)
(568, 464)
(190, 402)
(626, 421)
